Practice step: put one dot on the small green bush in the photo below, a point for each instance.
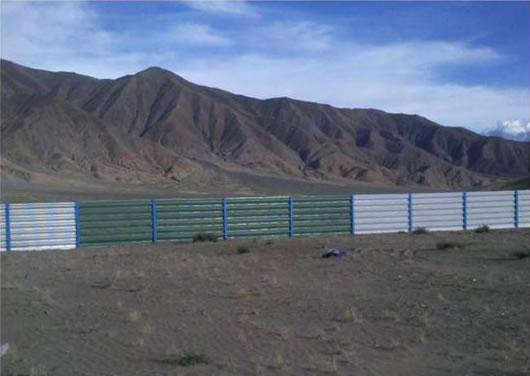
(447, 245)
(420, 231)
(242, 249)
(521, 254)
(204, 237)
(192, 359)
(482, 229)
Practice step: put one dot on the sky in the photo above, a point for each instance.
(459, 64)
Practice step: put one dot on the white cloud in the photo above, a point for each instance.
(298, 35)
(394, 78)
(38, 33)
(514, 127)
(196, 34)
(231, 8)
(518, 130)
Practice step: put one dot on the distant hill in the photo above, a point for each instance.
(155, 127)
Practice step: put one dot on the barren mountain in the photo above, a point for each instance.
(155, 127)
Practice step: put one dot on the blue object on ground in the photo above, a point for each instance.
(333, 252)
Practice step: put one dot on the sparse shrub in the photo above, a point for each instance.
(521, 254)
(268, 242)
(447, 245)
(192, 359)
(204, 237)
(420, 231)
(482, 229)
(242, 249)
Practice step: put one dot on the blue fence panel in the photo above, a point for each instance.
(321, 215)
(182, 219)
(249, 217)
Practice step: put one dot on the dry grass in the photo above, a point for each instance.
(192, 359)
(449, 244)
(352, 315)
(134, 316)
(521, 254)
(389, 315)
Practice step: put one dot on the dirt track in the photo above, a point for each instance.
(395, 305)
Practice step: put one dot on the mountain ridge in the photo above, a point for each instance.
(156, 126)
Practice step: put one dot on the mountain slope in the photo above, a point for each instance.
(155, 126)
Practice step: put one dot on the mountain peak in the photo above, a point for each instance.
(155, 69)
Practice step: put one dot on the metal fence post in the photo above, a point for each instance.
(8, 228)
(225, 218)
(464, 210)
(77, 225)
(291, 221)
(352, 214)
(409, 202)
(154, 221)
(516, 208)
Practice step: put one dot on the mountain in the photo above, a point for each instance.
(155, 127)
(516, 130)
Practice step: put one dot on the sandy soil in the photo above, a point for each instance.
(210, 183)
(395, 305)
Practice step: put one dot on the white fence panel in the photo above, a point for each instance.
(524, 208)
(494, 209)
(3, 246)
(42, 226)
(438, 211)
(381, 213)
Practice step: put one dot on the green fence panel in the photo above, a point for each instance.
(181, 219)
(111, 222)
(324, 215)
(257, 217)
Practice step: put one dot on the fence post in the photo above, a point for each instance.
(409, 201)
(225, 219)
(77, 225)
(516, 208)
(352, 214)
(291, 221)
(464, 210)
(8, 228)
(154, 221)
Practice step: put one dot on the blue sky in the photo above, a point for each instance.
(460, 64)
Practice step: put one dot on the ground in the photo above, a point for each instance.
(395, 305)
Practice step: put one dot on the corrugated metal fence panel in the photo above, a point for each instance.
(257, 217)
(181, 219)
(104, 222)
(2, 227)
(524, 208)
(40, 226)
(324, 215)
(494, 209)
(376, 213)
(438, 211)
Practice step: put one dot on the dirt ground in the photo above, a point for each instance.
(395, 305)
